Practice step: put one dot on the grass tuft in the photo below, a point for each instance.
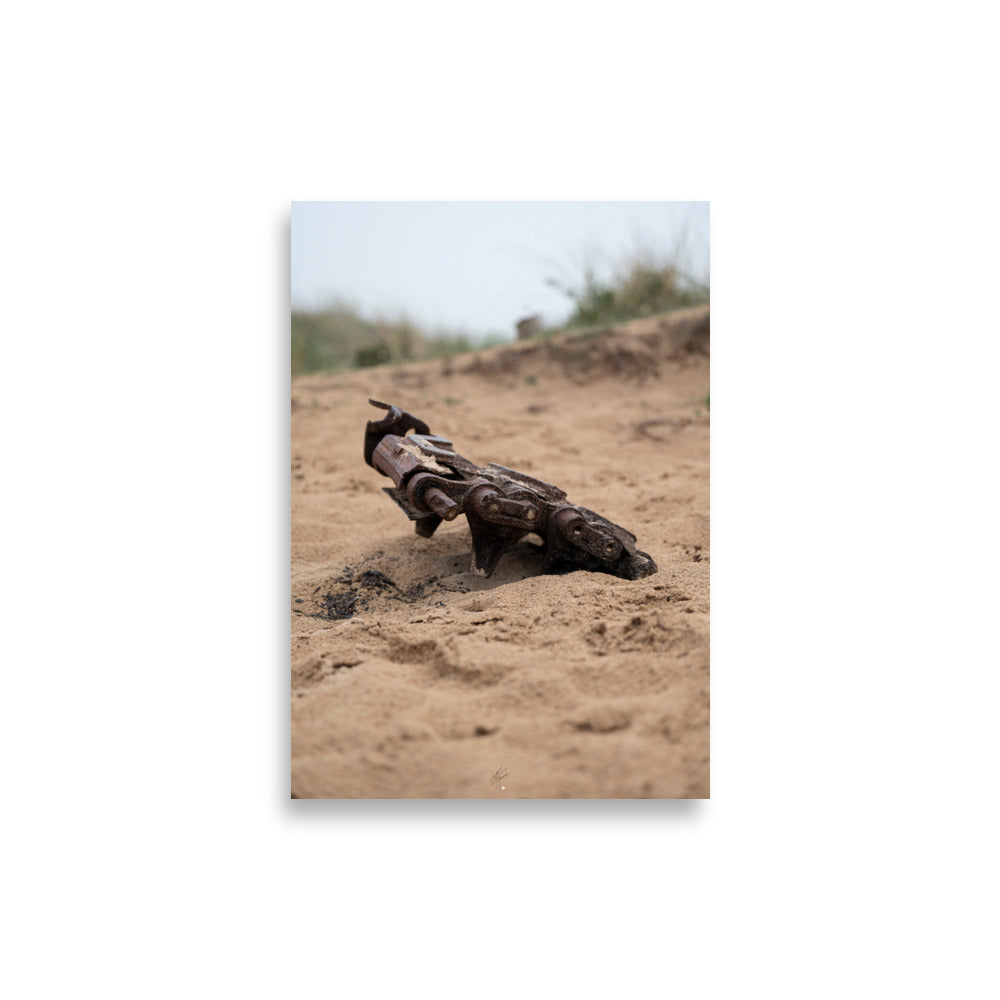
(643, 284)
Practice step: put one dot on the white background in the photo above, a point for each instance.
(849, 847)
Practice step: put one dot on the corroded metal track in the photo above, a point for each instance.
(433, 484)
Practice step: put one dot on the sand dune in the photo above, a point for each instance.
(413, 677)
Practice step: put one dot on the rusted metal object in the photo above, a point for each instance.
(433, 484)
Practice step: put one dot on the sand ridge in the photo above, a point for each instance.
(413, 677)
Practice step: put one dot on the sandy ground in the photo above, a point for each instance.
(411, 677)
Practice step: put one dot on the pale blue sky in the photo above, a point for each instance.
(476, 267)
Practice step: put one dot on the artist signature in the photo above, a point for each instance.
(498, 775)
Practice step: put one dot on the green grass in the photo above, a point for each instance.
(339, 337)
(643, 284)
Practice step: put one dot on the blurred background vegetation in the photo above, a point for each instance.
(641, 285)
(338, 337)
